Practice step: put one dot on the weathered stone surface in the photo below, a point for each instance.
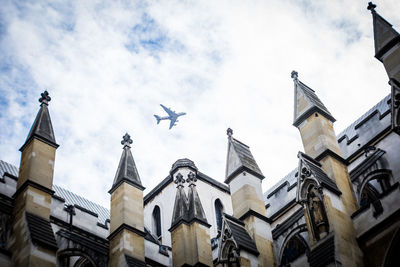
(127, 207)
(191, 245)
(126, 242)
(37, 164)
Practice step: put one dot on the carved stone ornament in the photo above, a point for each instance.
(191, 178)
(179, 180)
(45, 98)
(317, 213)
(294, 75)
(304, 172)
(126, 140)
(227, 234)
(304, 179)
(395, 105)
(228, 249)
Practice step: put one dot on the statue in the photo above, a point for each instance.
(317, 214)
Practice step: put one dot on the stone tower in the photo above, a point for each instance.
(387, 51)
(387, 44)
(126, 213)
(32, 200)
(244, 178)
(324, 187)
(191, 245)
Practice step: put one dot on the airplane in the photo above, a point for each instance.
(172, 116)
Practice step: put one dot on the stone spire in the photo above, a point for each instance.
(127, 171)
(244, 178)
(126, 212)
(195, 209)
(190, 234)
(32, 199)
(239, 159)
(187, 209)
(180, 207)
(42, 127)
(385, 36)
(306, 102)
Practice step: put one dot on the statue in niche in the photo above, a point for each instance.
(317, 213)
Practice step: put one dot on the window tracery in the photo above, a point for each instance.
(293, 249)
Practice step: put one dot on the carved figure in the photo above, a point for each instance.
(317, 214)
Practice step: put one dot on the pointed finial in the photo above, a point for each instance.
(294, 75)
(191, 178)
(179, 180)
(229, 132)
(126, 140)
(371, 6)
(45, 98)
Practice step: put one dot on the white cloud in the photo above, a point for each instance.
(225, 63)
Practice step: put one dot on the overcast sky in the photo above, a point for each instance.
(109, 64)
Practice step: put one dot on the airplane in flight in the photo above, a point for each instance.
(172, 116)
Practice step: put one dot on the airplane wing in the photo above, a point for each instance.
(170, 112)
(172, 123)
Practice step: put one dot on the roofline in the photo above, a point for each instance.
(130, 182)
(309, 112)
(188, 222)
(243, 169)
(167, 180)
(40, 138)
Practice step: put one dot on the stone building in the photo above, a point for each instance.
(338, 207)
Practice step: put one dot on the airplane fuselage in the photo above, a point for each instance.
(172, 116)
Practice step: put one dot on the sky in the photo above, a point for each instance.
(107, 66)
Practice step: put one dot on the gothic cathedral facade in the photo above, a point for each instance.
(338, 207)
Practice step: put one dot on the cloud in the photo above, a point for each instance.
(108, 66)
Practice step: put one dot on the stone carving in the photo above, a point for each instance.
(191, 178)
(395, 105)
(229, 132)
(317, 213)
(229, 251)
(226, 235)
(179, 180)
(45, 98)
(294, 75)
(126, 140)
(371, 6)
(305, 172)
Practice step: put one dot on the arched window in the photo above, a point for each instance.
(373, 189)
(294, 248)
(219, 209)
(157, 222)
(77, 258)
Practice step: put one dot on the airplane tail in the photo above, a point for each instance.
(157, 118)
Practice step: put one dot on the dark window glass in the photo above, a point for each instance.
(218, 213)
(294, 248)
(157, 221)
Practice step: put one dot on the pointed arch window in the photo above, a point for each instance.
(374, 187)
(219, 209)
(157, 222)
(294, 248)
